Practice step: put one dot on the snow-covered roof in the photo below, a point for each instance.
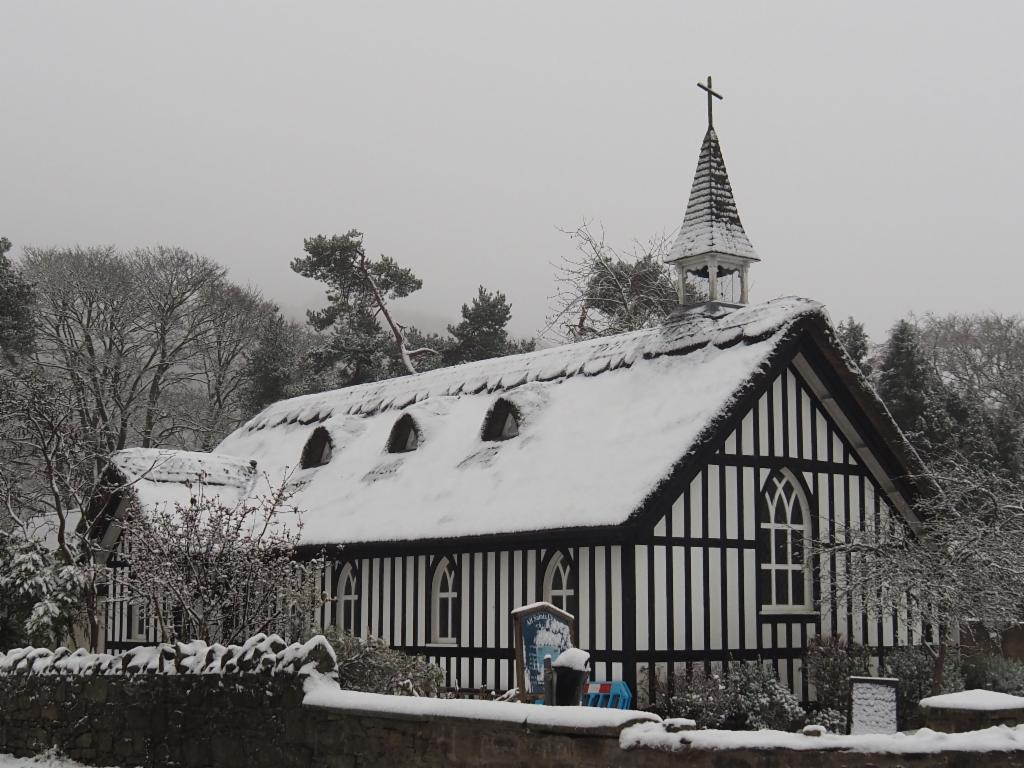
(712, 221)
(165, 476)
(602, 423)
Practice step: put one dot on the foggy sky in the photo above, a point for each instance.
(874, 148)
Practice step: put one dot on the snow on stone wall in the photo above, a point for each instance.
(260, 654)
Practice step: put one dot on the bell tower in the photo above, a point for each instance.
(711, 243)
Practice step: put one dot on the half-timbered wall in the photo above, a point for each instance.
(681, 587)
(697, 588)
(395, 604)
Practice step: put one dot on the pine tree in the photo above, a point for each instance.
(914, 394)
(17, 327)
(482, 333)
(359, 290)
(855, 340)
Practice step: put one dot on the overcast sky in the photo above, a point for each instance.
(875, 149)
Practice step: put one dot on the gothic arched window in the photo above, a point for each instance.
(783, 533)
(444, 605)
(318, 449)
(348, 601)
(558, 583)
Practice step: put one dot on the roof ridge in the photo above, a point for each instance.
(678, 334)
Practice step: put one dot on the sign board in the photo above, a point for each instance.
(541, 630)
(873, 705)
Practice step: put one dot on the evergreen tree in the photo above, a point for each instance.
(855, 340)
(17, 327)
(912, 391)
(482, 333)
(359, 290)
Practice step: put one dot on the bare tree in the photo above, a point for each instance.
(981, 354)
(174, 323)
(222, 572)
(961, 571)
(47, 479)
(240, 319)
(602, 291)
(154, 343)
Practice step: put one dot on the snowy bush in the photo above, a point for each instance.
(914, 667)
(217, 573)
(40, 596)
(994, 673)
(372, 665)
(748, 697)
(762, 701)
(829, 663)
(833, 720)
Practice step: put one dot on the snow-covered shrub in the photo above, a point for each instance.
(829, 663)
(220, 573)
(994, 673)
(762, 701)
(705, 697)
(833, 720)
(372, 665)
(914, 666)
(748, 697)
(40, 596)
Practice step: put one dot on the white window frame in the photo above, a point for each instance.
(348, 602)
(447, 600)
(560, 598)
(772, 494)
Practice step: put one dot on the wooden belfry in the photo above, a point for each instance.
(711, 243)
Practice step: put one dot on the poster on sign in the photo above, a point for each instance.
(541, 630)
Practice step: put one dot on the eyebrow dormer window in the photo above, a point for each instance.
(405, 435)
(502, 421)
(318, 449)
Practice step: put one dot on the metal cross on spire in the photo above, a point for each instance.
(711, 94)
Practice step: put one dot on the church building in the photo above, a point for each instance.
(664, 485)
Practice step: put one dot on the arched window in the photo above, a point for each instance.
(348, 601)
(444, 605)
(405, 435)
(501, 422)
(138, 620)
(783, 531)
(558, 583)
(317, 450)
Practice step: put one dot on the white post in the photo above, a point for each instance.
(712, 279)
(744, 287)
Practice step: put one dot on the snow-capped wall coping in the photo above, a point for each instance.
(260, 654)
(326, 695)
(975, 700)
(656, 736)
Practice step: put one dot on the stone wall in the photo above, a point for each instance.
(156, 720)
(260, 716)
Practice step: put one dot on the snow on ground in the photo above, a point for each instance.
(997, 739)
(977, 700)
(48, 760)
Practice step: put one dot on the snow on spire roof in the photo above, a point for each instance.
(712, 221)
(601, 424)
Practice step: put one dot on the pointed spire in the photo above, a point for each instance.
(712, 222)
(711, 243)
